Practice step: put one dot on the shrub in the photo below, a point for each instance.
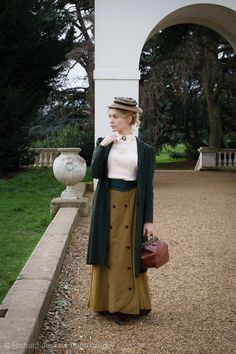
(191, 153)
(177, 155)
(70, 136)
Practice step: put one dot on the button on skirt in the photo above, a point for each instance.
(114, 287)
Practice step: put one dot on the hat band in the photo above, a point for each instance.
(126, 104)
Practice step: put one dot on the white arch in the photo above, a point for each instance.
(123, 26)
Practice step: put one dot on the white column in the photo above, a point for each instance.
(121, 30)
(107, 86)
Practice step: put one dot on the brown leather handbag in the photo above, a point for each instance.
(154, 253)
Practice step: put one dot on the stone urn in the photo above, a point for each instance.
(69, 168)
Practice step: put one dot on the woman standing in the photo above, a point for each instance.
(122, 214)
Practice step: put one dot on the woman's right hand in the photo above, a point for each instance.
(109, 139)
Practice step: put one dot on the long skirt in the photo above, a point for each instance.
(114, 287)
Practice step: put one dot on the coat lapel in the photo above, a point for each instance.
(140, 157)
(107, 154)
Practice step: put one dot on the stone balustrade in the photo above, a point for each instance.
(216, 159)
(44, 156)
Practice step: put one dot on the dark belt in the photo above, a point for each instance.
(121, 185)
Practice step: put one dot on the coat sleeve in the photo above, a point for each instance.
(148, 201)
(98, 163)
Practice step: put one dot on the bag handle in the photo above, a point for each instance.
(151, 239)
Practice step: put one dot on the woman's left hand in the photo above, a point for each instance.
(148, 229)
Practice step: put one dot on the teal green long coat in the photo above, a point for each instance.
(100, 217)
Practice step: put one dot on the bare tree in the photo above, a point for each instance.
(83, 51)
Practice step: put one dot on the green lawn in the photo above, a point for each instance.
(24, 216)
(164, 160)
(164, 155)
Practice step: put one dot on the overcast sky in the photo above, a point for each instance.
(76, 78)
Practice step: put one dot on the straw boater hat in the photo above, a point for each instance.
(127, 103)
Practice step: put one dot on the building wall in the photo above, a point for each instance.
(123, 26)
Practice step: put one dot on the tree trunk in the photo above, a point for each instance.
(214, 111)
(214, 124)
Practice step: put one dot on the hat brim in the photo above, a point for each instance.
(125, 107)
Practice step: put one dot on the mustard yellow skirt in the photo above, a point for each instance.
(114, 287)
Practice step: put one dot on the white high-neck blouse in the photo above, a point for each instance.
(123, 158)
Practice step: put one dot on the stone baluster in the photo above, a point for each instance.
(211, 158)
(41, 158)
(222, 157)
(51, 154)
(44, 157)
(233, 162)
(217, 159)
(227, 158)
(36, 160)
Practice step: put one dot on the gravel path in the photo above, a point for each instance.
(193, 296)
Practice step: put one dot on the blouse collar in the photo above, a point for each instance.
(125, 137)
